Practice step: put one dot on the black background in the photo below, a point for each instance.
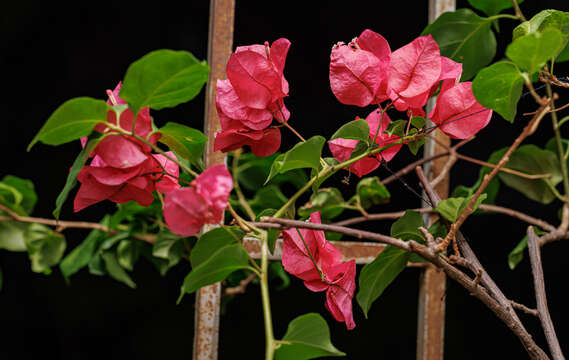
(51, 53)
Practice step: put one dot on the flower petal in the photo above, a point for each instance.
(184, 211)
(355, 75)
(414, 68)
(254, 78)
(119, 152)
(459, 113)
(214, 185)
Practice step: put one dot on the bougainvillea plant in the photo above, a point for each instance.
(165, 195)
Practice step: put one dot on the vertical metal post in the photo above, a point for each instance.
(432, 283)
(220, 42)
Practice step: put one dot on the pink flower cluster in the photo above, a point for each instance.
(187, 209)
(123, 168)
(310, 257)
(366, 72)
(251, 97)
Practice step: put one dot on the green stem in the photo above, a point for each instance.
(242, 200)
(155, 148)
(269, 336)
(554, 190)
(560, 152)
(329, 170)
(503, 16)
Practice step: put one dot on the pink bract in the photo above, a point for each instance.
(186, 210)
(358, 71)
(458, 112)
(342, 148)
(257, 76)
(309, 256)
(414, 68)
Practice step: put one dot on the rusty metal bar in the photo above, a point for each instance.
(432, 283)
(363, 252)
(220, 43)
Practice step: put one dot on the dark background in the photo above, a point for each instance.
(51, 53)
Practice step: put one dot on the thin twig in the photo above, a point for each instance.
(62, 225)
(528, 129)
(472, 260)
(524, 308)
(512, 322)
(541, 300)
(241, 288)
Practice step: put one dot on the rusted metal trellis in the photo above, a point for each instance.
(432, 283)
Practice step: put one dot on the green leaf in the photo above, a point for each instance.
(545, 19)
(114, 239)
(115, 270)
(499, 87)
(97, 265)
(253, 171)
(11, 198)
(378, 274)
(12, 236)
(169, 246)
(303, 155)
(73, 120)
(452, 208)
(25, 188)
(532, 51)
(187, 142)
(72, 177)
(272, 234)
(372, 192)
(396, 127)
(128, 252)
(517, 254)
(163, 78)
(268, 197)
(532, 160)
(45, 247)
(355, 130)
(492, 7)
(80, 257)
(215, 268)
(330, 161)
(213, 240)
(418, 121)
(464, 37)
(414, 146)
(563, 54)
(407, 227)
(328, 201)
(307, 337)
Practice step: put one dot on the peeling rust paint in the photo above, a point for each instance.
(220, 43)
(432, 283)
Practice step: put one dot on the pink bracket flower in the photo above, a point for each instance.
(187, 209)
(458, 112)
(358, 71)
(251, 97)
(342, 148)
(310, 257)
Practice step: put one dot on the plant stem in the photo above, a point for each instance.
(519, 13)
(560, 152)
(329, 170)
(242, 200)
(264, 280)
